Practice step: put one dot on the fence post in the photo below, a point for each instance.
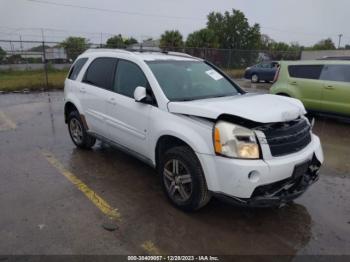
(45, 66)
(229, 58)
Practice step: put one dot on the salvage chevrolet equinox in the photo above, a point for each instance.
(204, 135)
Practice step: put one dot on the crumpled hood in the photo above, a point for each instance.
(255, 107)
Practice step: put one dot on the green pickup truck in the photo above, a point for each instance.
(322, 86)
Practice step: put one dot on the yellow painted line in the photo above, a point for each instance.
(151, 248)
(6, 123)
(98, 201)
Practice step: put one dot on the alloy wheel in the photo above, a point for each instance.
(177, 180)
(76, 130)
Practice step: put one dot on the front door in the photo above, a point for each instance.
(128, 120)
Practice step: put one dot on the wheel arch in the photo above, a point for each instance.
(283, 94)
(71, 105)
(68, 107)
(165, 142)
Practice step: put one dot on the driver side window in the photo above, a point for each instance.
(128, 76)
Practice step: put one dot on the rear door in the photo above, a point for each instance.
(306, 84)
(127, 119)
(95, 91)
(336, 88)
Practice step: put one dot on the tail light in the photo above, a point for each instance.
(277, 74)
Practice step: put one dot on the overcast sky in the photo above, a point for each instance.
(304, 21)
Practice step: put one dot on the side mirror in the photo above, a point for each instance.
(140, 94)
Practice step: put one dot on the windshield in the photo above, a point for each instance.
(190, 80)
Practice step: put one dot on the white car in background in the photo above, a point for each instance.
(201, 131)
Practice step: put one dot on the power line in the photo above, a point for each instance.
(164, 16)
(114, 10)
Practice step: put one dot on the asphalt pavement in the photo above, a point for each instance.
(57, 199)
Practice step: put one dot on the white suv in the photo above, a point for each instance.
(200, 130)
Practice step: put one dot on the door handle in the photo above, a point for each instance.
(329, 87)
(294, 83)
(111, 101)
(82, 90)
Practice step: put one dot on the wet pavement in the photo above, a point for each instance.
(42, 212)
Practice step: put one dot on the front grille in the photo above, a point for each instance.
(287, 138)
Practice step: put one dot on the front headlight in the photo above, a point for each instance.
(235, 141)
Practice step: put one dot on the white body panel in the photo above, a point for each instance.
(127, 122)
(139, 126)
(258, 108)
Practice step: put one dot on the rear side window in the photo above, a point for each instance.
(340, 73)
(305, 71)
(76, 68)
(128, 77)
(101, 72)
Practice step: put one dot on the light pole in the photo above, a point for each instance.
(340, 36)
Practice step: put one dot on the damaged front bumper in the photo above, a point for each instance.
(281, 192)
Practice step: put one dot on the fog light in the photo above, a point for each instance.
(254, 176)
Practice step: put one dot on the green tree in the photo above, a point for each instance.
(326, 44)
(233, 30)
(347, 47)
(38, 48)
(280, 47)
(172, 38)
(202, 38)
(266, 42)
(119, 42)
(115, 42)
(15, 59)
(2, 54)
(74, 46)
(130, 41)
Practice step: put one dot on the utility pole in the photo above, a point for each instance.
(44, 57)
(21, 46)
(340, 36)
(42, 34)
(101, 41)
(20, 43)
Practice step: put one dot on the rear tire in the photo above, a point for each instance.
(78, 133)
(182, 179)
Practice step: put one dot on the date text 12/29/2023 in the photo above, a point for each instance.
(173, 258)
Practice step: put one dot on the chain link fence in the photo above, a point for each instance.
(43, 65)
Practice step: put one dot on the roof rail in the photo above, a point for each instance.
(179, 54)
(132, 51)
(92, 50)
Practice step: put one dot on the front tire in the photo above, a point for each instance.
(182, 179)
(78, 132)
(255, 78)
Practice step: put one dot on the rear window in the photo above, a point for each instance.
(305, 71)
(76, 68)
(340, 73)
(101, 72)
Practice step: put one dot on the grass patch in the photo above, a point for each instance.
(32, 80)
(235, 73)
